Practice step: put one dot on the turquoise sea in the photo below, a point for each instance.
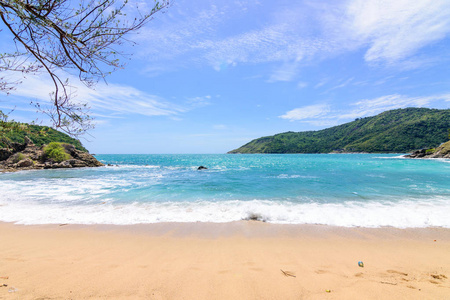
(368, 190)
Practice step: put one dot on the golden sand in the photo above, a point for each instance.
(239, 260)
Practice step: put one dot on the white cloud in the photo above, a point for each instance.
(394, 30)
(105, 100)
(306, 112)
(224, 34)
(220, 127)
(302, 84)
(342, 84)
(273, 43)
(199, 101)
(323, 115)
(286, 72)
(369, 107)
(203, 36)
(179, 30)
(321, 83)
(126, 99)
(113, 98)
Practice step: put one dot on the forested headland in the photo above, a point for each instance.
(394, 131)
(12, 132)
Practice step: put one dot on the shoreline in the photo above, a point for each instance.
(236, 260)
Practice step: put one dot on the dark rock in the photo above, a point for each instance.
(65, 164)
(38, 166)
(87, 158)
(17, 147)
(202, 168)
(24, 163)
(5, 153)
(13, 159)
(28, 142)
(69, 148)
(443, 151)
(62, 165)
(76, 163)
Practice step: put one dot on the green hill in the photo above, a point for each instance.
(38, 134)
(394, 131)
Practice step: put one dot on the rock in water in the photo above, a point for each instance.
(443, 151)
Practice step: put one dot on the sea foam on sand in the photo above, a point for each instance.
(404, 214)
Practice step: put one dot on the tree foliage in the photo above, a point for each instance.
(56, 152)
(395, 131)
(79, 37)
(15, 132)
(8, 128)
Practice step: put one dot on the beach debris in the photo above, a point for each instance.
(65, 224)
(397, 272)
(12, 290)
(4, 277)
(288, 273)
(438, 276)
(385, 282)
(202, 168)
(361, 264)
(254, 217)
(328, 291)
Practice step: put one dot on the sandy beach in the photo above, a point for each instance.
(239, 260)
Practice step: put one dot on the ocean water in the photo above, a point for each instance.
(364, 190)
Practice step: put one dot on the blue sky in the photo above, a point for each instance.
(209, 76)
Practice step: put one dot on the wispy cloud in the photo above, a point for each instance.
(342, 84)
(324, 115)
(286, 72)
(321, 83)
(199, 101)
(302, 84)
(394, 30)
(387, 32)
(369, 107)
(306, 112)
(220, 127)
(112, 98)
(203, 37)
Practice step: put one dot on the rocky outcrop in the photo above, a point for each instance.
(5, 153)
(28, 156)
(443, 151)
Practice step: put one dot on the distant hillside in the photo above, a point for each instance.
(394, 131)
(39, 135)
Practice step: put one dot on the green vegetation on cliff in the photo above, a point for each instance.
(15, 132)
(56, 151)
(394, 131)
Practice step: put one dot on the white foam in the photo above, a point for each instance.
(396, 157)
(100, 197)
(349, 214)
(128, 167)
(293, 176)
